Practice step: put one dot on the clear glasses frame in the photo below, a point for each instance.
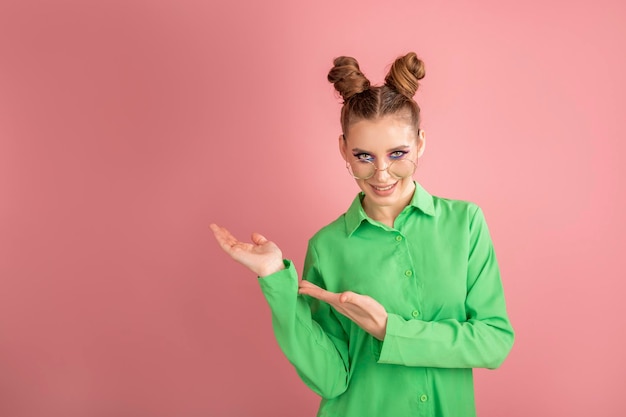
(398, 169)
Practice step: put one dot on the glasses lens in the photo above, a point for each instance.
(402, 168)
(361, 170)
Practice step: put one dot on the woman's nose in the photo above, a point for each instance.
(381, 173)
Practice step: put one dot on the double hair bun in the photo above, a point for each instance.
(403, 76)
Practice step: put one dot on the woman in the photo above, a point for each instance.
(401, 295)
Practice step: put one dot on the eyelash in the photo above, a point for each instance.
(368, 157)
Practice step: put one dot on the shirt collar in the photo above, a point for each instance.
(355, 215)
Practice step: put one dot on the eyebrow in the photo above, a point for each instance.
(397, 148)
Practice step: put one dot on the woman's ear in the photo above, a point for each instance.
(342, 147)
(421, 143)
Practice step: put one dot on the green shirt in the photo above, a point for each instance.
(436, 274)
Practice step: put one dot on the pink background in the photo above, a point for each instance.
(126, 127)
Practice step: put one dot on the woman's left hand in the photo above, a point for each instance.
(366, 312)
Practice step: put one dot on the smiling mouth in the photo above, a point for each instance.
(385, 188)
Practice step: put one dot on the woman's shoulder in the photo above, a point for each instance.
(456, 211)
(450, 205)
(437, 205)
(332, 230)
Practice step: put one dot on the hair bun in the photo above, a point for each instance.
(405, 73)
(347, 77)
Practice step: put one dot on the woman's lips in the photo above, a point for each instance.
(383, 189)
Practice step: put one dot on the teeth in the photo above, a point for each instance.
(383, 188)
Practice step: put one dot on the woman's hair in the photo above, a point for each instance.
(363, 101)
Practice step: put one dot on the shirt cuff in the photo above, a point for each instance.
(276, 282)
(388, 348)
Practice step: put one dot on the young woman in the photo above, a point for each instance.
(401, 295)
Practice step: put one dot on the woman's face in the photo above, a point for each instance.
(382, 141)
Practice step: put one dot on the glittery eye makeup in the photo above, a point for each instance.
(362, 156)
(393, 155)
(398, 154)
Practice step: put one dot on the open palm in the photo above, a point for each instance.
(366, 312)
(262, 256)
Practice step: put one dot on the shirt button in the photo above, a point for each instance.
(424, 398)
(408, 272)
(415, 313)
(398, 238)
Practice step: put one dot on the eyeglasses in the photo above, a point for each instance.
(364, 169)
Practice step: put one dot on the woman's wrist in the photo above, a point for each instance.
(271, 269)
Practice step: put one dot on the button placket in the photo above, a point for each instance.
(409, 272)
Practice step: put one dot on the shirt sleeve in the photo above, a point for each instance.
(482, 341)
(308, 333)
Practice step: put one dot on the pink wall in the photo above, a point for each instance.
(126, 127)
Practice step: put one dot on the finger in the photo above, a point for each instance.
(215, 229)
(347, 297)
(225, 245)
(314, 291)
(258, 238)
(224, 238)
(307, 284)
(223, 235)
(354, 299)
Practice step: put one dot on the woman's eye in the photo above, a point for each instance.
(398, 154)
(364, 157)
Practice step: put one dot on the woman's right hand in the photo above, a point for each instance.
(261, 256)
